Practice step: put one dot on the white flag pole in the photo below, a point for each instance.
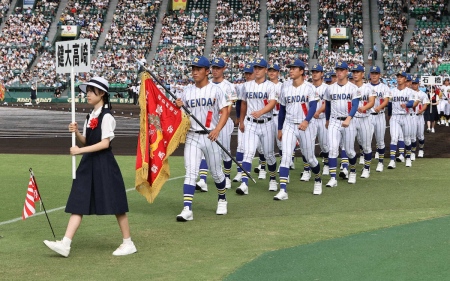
(72, 80)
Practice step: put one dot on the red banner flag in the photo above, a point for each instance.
(163, 126)
(31, 198)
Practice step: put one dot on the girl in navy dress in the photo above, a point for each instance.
(98, 188)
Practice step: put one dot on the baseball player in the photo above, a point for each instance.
(342, 101)
(208, 103)
(401, 100)
(377, 116)
(249, 76)
(217, 69)
(420, 122)
(256, 122)
(298, 102)
(412, 121)
(445, 90)
(364, 128)
(327, 79)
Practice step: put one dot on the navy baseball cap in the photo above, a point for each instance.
(408, 77)
(218, 62)
(297, 63)
(358, 67)
(317, 67)
(341, 65)
(274, 66)
(327, 77)
(416, 80)
(248, 68)
(200, 61)
(332, 73)
(375, 69)
(260, 63)
(402, 73)
(350, 75)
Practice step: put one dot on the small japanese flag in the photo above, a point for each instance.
(32, 197)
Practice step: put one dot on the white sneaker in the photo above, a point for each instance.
(227, 183)
(446, 123)
(262, 175)
(257, 169)
(413, 156)
(365, 173)
(242, 189)
(408, 162)
(317, 188)
(125, 249)
(282, 195)
(361, 160)
(420, 154)
(380, 167)
(306, 176)
(400, 158)
(222, 207)
(185, 215)
(344, 173)
(292, 166)
(391, 164)
(432, 130)
(273, 185)
(332, 183)
(202, 186)
(377, 155)
(352, 177)
(326, 170)
(238, 177)
(58, 247)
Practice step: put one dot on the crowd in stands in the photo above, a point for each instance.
(4, 8)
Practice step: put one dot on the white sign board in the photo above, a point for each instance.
(74, 54)
(431, 80)
(69, 30)
(338, 33)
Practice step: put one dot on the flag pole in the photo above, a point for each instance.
(42, 202)
(72, 88)
(188, 112)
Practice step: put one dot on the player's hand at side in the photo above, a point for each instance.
(236, 123)
(75, 150)
(327, 123)
(73, 127)
(303, 125)
(316, 115)
(346, 123)
(213, 135)
(179, 103)
(242, 127)
(256, 114)
(280, 135)
(403, 105)
(361, 109)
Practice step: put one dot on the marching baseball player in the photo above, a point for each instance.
(298, 102)
(412, 121)
(342, 101)
(249, 76)
(377, 116)
(364, 128)
(445, 90)
(401, 100)
(207, 102)
(256, 122)
(420, 122)
(217, 69)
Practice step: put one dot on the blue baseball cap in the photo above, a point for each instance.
(341, 65)
(358, 67)
(248, 68)
(200, 61)
(375, 69)
(332, 73)
(408, 77)
(327, 77)
(274, 66)
(402, 73)
(218, 62)
(317, 67)
(297, 63)
(260, 63)
(416, 80)
(350, 75)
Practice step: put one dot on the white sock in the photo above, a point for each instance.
(127, 241)
(67, 241)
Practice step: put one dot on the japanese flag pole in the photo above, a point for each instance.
(72, 83)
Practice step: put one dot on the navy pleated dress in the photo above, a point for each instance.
(98, 188)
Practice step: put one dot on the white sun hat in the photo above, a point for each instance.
(97, 82)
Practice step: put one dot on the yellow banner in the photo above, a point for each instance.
(179, 5)
(2, 92)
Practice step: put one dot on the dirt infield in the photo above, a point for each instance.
(42, 129)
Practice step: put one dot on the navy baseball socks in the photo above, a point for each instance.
(201, 184)
(380, 166)
(306, 174)
(352, 174)
(332, 162)
(401, 151)
(284, 175)
(239, 158)
(393, 148)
